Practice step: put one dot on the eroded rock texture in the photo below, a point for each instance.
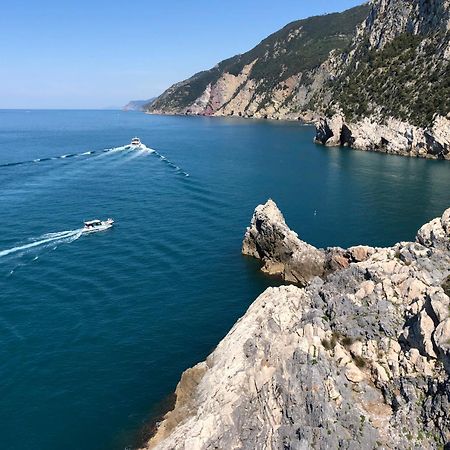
(357, 360)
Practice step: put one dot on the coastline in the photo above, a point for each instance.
(328, 358)
(393, 138)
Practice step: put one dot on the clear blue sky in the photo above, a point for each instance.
(95, 53)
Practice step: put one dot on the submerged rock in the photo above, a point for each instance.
(357, 359)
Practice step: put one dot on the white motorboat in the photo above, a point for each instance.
(92, 226)
(135, 142)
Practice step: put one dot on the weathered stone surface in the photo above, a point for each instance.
(330, 365)
(283, 253)
(388, 136)
(442, 335)
(269, 238)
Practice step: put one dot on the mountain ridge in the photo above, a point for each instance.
(374, 77)
(271, 65)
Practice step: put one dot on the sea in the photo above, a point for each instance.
(95, 330)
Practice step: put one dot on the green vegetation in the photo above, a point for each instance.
(404, 80)
(346, 341)
(298, 47)
(330, 344)
(359, 361)
(446, 286)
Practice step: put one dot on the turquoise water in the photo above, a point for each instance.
(95, 330)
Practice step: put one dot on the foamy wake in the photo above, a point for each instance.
(66, 156)
(46, 240)
(90, 153)
(169, 163)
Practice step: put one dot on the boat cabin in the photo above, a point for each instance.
(92, 223)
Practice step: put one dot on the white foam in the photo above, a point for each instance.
(44, 240)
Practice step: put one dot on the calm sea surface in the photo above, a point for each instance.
(95, 330)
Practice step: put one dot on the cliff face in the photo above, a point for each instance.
(275, 79)
(380, 71)
(392, 91)
(359, 359)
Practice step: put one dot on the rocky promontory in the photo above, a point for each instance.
(359, 357)
(284, 254)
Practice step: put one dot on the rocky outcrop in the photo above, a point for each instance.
(392, 136)
(359, 359)
(269, 238)
(283, 254)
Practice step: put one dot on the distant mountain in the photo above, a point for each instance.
(374, 77)
(137, 105)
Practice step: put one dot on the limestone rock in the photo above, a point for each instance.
(436, 233)
(270, 239)
(359, 359)
(389, 136)
(442, 335)
(329, 131)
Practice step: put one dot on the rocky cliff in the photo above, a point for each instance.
(276, 79)
(378, 77)
(392, 89)
(358, 358)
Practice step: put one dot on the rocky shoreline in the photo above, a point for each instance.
(359, 357)
(393, 136)
(372, 78)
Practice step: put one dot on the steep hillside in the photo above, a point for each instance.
(392, 89)
(266, 79)
(137, 105)
(378, 77)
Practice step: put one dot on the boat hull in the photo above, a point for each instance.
(105, 225)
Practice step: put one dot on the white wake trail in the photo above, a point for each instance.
(45, 240)
(168, 162)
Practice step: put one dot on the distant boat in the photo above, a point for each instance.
(135, 142)
(92, 226)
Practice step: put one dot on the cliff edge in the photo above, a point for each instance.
(357, 359)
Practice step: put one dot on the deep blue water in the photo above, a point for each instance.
(96, 330)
